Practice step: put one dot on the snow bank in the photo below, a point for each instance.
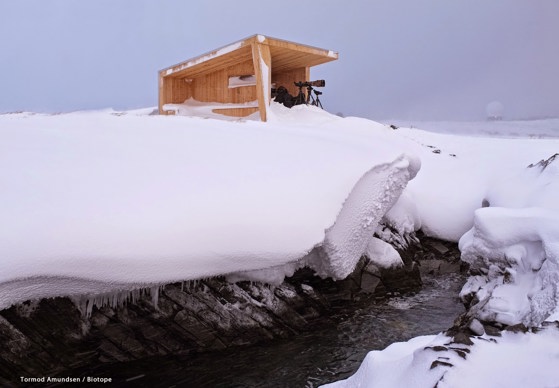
(108, 201)
(514, 245)
(382, 254)
(395, 366)
(430, 361)
(459, 172)
(502, 207)
(517, 250)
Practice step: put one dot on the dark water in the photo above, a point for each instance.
(331, 351)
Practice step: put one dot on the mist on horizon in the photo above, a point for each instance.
(397, 59)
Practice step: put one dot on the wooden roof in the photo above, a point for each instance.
(285, 56)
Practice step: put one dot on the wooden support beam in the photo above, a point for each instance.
(161, 93)
(263, 70)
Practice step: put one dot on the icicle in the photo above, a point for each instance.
(154, 291)
(89, 308)
(116, 299)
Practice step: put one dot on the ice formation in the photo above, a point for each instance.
(351, 235)
(375, 193)
(399, 224)
(114, 299)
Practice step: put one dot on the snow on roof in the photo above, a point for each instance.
(312, 55)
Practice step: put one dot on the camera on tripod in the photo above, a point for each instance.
(320, 83)
(308, 98)
(282, 96)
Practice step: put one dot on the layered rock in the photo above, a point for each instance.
(56, 335)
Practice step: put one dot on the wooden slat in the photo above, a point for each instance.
(287, 79)
(209, 66)
(213, 87)
(236, 112)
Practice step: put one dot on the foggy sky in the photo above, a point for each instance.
(436, 60)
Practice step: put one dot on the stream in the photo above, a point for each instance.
(332, 349)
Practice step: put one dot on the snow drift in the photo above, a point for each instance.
(99, 202)
(514, 245)
(434, 361)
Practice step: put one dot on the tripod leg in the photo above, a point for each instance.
(313, 102)
(309, 94)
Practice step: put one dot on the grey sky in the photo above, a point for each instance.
(398, 59)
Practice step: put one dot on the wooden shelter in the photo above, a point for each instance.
(239, 77)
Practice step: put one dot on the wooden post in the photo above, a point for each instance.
(161, 93)
(263, 70)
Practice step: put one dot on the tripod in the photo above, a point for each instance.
(309, 99)
(300, 97)
(316, 102)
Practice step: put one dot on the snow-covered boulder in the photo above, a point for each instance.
(514, 250)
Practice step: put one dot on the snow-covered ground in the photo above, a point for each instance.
(534, 129)
(499, 198)
(514, 360)
(98, 203)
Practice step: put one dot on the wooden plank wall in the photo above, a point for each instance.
(287, 79)
(236, 112)
(173, 91)
(213, 87)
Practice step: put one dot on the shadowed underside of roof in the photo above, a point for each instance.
(285, 56)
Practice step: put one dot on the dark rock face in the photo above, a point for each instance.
(434, 256)
(51, 336)
(206, 315)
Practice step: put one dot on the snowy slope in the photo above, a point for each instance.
(105, 201)
(459, 172)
